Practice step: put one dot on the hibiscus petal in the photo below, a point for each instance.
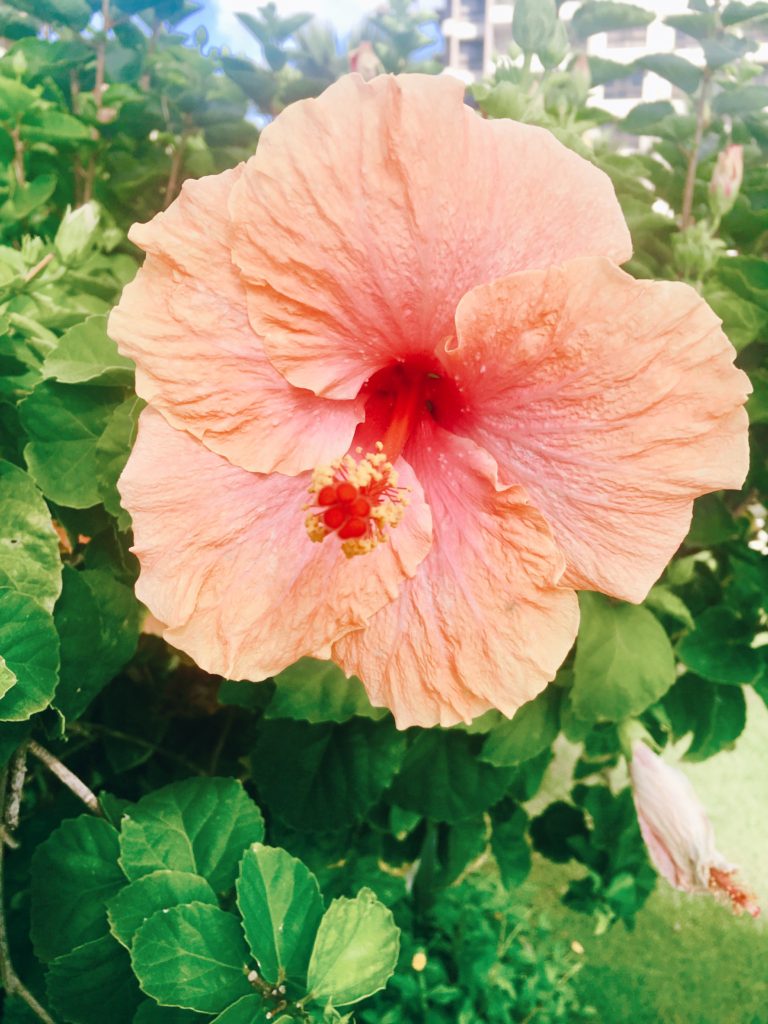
(184, 321)
(367, 213)
(613, 402)
(227, 565)
(483, 622)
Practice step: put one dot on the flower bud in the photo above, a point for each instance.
(364, 60)
(76, 232)
(679, 835)
(726, 179)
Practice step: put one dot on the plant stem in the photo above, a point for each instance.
(63, 774)
(172, 186)
(11, 983)
(18, 157)
(693, 159)
(98, 94)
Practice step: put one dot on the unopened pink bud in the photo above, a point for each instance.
(679, 835)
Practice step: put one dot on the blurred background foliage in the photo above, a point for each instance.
(106, 107)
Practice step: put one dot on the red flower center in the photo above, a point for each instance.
(357, 499)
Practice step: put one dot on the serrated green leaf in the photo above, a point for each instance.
(318, 691)
(747, 276)
(193, 957)
(323, 777)
(74, 873)
(719, 648)
(29, 547)
(712, 522)
(64, 423)
(200, 826)
(355, 952)
(532, 729)
(53, 126)
(281, 906)
(30, 648)
(86, 354)
(94, 983)
(98, 620)
(136, 903)
(443, 778)
(624, 660)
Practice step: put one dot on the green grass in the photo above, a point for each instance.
(688, 961)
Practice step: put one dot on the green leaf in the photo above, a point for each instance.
(98, 620)
(509, 842)
(743, 321)
(200, 826)
(644, 118)
(30, 647)
(757, 403)
(247, 1010)
(443, 778)
(53, 126)
(745, 99)
(281, 906)
(532, 729)
(29, 197)
(719, 648)
(137, 902)
(322, 777)
(193, 957)
(624, 660)
(64, 423)
(736, 12)
(554, 832)
(318, 691)
(714, 715)
(663, 601)
(725, 49)
(74, 873)
(86, 354)
(112, 451)
(534, 23)
(30, 548)
(674, 69)
(608, 16)
(355, 952)
(150, 1013)
(747, 276)
(699, 25)
(712, 522)
(15, 99)
(93, 984)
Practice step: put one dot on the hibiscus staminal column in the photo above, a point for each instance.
(357, 498)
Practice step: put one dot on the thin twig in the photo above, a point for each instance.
(63, 774)
(11, 982)
(38, 268)
(172, 185)
(17, 774)
(693, 159)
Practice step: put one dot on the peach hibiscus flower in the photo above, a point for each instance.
(402, 402)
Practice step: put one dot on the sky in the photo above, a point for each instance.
(224, 27)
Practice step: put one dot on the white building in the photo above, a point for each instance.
(478, 32)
